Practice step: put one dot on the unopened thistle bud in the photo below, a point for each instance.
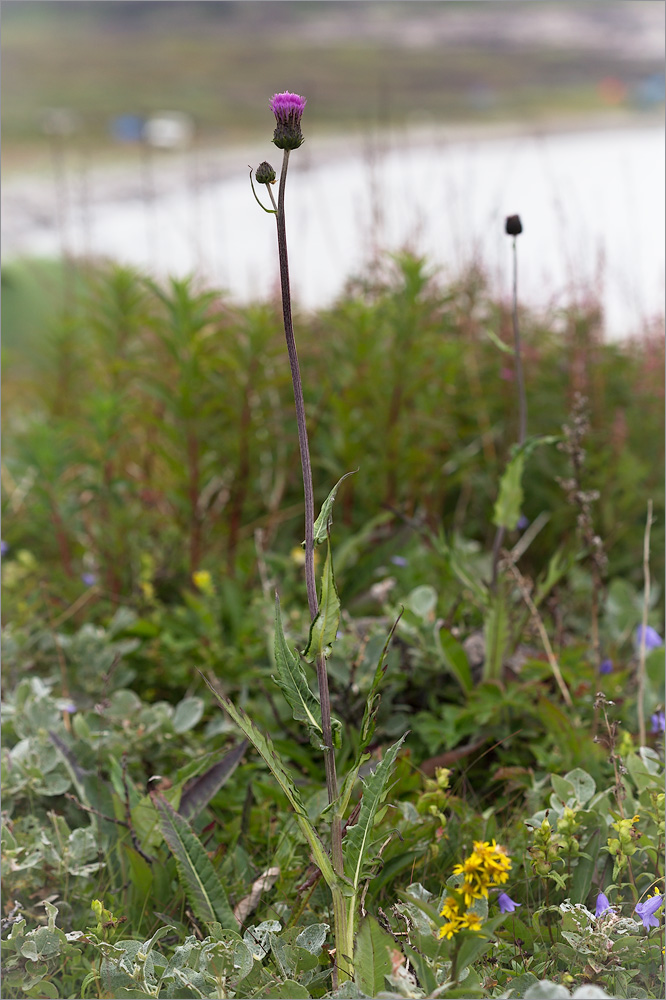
(513, 225)
(264, 174)
(288, 110)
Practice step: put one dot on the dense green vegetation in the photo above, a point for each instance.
(152, 504)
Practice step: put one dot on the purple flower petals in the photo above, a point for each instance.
(602, 904)
(606, 667)
(658, 722)
(288, 110)
(652, 638)
(506, 904)
(646, 911)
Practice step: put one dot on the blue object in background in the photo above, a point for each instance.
(127, 128)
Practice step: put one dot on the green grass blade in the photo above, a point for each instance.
(358, 838)
(197, 875)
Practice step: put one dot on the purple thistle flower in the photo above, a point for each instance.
(602, 904)
(506, 904)
(89, 579)
(606, 667)
(399, 561)
(658, 721)
(288, 110)
(646, 911)
(652, 638)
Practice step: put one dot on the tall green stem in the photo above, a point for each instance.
(522, 399)
(322, 677)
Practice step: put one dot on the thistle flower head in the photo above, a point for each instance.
(288, 110)
(265, 174)
(513, 225)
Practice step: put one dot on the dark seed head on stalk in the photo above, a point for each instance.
(264, 174)
(513, 225)
(288, 110)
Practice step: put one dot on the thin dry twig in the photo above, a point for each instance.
(536, 617)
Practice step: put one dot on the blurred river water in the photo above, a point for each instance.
(592, 205)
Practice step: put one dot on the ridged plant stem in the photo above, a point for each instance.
(322, 677)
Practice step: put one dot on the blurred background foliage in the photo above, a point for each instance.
(362, 64)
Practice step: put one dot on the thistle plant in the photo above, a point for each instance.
(347, 866)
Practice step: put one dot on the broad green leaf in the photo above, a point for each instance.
(510, 500)
(583, 873)
(325, 626)
(563, 788)
(264, 747)
(584, 785)
(287, 990)
(322, 525)
(293, 683)
(422, 600)
(200, 880)
(358, 839)
(454, 657)
(372, 957)
(188, 713)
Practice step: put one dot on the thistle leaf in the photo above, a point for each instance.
(372, 957)
(325, 626)
(293, 683)
(264, 747)
(374, 698)
(322, 525)
(358, 839)
(195, 871)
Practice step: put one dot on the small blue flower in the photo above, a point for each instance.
(522, 523)
(4, 547)
(399, 561)
(89, 579)
(652, 638)
(602, 904)
(646, 911)
(658, 722)
(506, 904)
(606, 667)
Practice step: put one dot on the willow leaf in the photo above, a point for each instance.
(264, 747)
(325, 626)
(293, 683)
(358, 838)
(195, 871)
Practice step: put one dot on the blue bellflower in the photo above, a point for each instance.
(646, 911)
(506, 904)
(602, 904)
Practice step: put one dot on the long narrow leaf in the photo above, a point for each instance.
(293, 683)
(197, 875)
(358, 838)
(325, 626)
(373, 699)
(264, 746)
(199, 792)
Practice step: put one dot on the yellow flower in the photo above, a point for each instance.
(203, 581)
(471, 921)
(450, 909)
(450, 928)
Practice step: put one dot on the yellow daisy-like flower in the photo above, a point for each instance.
(450, 909)
(470, 866)
(471, 921)
(450, 928)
